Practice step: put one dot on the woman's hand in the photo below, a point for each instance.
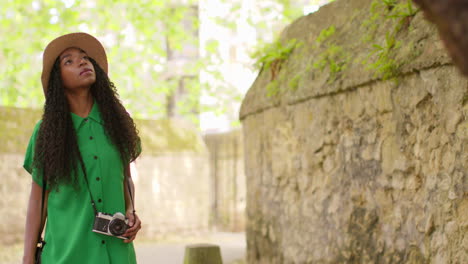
(135, 226)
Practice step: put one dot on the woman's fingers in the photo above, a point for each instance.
(130, 239)
(133, 230)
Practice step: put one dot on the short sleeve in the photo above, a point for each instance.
(29, 157)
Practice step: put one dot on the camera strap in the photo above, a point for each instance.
(40, 242)
(87, 184)
(127, 178)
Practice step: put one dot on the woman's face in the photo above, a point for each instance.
(76, 69)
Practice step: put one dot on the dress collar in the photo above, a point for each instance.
(94, 115)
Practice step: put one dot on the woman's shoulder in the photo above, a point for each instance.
(29, 156)
(36, 128)
(38, 124)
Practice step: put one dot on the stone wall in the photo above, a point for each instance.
(227, 180)
(173, 193)
(344, 166)
(171, 177)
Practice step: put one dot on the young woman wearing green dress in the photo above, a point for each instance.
(82, 147)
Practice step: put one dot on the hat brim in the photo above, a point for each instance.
(84, 41)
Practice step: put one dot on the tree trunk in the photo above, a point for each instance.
(451, 19)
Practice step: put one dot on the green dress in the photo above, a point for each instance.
(70, 219)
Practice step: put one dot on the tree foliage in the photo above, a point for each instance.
(141, 39)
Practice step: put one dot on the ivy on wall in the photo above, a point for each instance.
(334, 58)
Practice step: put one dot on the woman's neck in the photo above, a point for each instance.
(80, 103)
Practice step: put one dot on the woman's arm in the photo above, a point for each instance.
(133, 220)
(34, 223)
(129, 182)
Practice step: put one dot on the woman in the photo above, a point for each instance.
(83, 145)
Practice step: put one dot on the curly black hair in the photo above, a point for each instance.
(56, 149)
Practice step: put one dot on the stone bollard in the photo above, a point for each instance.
(202, 254)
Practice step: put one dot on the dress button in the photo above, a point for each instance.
(103, 242)
(91, 137)
(97, 178)
(99, 201)
(86, 119)
(95, 157)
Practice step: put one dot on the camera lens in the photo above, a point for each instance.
(117, 227)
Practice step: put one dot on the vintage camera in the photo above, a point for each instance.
(111, 225)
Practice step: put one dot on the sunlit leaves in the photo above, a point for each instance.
(133, 33)
(140, 37)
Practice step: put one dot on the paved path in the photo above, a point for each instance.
(232, 248)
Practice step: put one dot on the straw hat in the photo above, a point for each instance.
(83, 41)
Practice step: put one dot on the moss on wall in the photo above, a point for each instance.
(158, 136)
(370, 40)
